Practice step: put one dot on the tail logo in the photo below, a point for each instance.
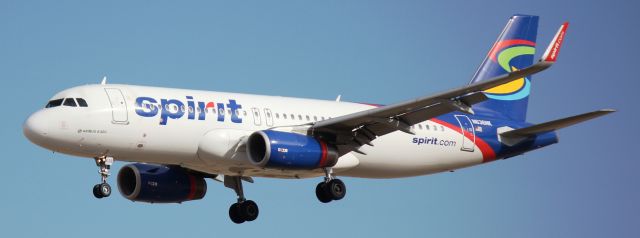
(502, 53)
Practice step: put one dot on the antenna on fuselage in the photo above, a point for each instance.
(104, 80)
(338, 98)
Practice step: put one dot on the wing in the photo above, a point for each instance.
(351, 131)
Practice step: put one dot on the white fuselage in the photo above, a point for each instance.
(119, 124)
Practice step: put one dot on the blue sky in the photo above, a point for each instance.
(368, 51)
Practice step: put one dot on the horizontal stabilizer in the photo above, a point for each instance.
(555, 125)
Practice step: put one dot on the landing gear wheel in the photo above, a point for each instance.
(249, 210)
(96, 191)
(101, 190)
(243, 211)
(105, 189)
(336, 189)
(322, 194)
(234, 213)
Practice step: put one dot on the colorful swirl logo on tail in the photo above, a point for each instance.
(502, 53)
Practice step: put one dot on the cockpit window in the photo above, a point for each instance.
(82, 102)
(54, 103)
(70, 102)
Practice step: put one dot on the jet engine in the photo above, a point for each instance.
(284, 150)
(160, 184)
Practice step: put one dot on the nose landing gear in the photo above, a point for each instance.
(103, 189)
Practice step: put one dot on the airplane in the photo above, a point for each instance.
(177, 138)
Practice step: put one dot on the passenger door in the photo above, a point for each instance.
(119, 114)
(468, 133)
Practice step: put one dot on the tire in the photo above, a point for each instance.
(104, 189)
(336, 189)
(234, 214)
(96, 191)
(321, 193)
(249, 210)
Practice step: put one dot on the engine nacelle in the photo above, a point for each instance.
(159, 184)
(276, 149)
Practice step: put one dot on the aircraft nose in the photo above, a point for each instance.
(35, 128)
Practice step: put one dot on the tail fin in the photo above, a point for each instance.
(514, 50)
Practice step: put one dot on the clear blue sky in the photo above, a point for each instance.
(368, 51)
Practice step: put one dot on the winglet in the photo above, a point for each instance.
(551, 54)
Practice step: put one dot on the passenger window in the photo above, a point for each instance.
(315, 118)
(323, 118)
(308, 119)
(299, 117)
(277, 115)
(70, 102)
(54, 103)
(293, 117)
(284, 115)
(82, 102)
(420, 126)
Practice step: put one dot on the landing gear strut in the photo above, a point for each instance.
(243, 210)
(103, 189)
(331, 188)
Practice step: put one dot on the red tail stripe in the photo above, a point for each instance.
(506, 43)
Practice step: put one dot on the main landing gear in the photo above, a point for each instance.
(331, 188)
(103, 189)
(243, 210)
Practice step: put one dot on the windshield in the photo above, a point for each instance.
(69, 102)
(54, 103)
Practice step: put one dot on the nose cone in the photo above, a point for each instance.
(35, 128)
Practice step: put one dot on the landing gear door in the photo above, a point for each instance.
(468, 133)
(119, 114)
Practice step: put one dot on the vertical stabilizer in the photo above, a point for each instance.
(514, 50)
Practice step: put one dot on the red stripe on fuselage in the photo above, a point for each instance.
(488, 154)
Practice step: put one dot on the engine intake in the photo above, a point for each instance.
(159, 184)
(276, 149)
